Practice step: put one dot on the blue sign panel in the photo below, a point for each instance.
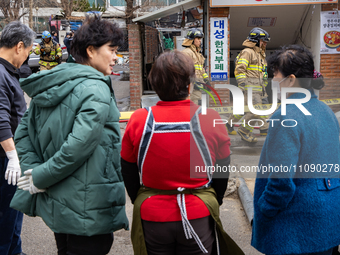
(219, 76)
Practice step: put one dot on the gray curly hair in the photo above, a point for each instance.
(15, 32)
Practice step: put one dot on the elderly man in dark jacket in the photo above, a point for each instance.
(15, 44)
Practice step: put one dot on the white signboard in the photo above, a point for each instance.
(261, 22)
(233, 3)
(330, 33)
(219, 49)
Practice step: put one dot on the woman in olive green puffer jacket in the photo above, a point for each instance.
(70, 137)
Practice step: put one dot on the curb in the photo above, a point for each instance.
(246, 199)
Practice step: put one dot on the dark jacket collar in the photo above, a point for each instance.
(9, 67)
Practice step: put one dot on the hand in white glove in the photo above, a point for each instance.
(26, 183)
(13, 170)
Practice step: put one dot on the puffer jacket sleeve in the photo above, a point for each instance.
(26, 152)
(86, 134)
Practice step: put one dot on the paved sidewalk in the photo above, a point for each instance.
(38, 239)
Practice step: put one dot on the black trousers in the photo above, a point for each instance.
(68, 244)
(10, 219)
(335, 251)
(168, 238)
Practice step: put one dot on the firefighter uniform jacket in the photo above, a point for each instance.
(251, 68)
(51, 53)
(198, 59)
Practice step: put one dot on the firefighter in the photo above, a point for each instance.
(251, 72)
(192, 44)
(49, 51)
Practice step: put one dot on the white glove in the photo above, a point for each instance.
(26, 183)
(13, 170)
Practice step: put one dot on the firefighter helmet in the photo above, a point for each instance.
(257, 34)
(46, 34)
(193, 33)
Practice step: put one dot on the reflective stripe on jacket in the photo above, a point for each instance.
(198, 59)
(47, 63)
(52, 50)
(251, 67)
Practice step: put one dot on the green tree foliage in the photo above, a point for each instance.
(84, 6)
(79, 6)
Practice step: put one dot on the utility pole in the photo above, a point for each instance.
(31, 15)
(22, 11)
(36, 19)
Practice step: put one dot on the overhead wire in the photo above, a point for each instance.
(302, 25)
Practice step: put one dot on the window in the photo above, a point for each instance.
(160, 2)
(117, 3)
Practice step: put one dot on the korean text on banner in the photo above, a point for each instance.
(219, 49)
(330, 32)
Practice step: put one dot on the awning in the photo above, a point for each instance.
(169, 10)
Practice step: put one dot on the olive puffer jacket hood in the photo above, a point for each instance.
(70, 137)
(49, 88)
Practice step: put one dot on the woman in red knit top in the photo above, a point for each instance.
(166, 151)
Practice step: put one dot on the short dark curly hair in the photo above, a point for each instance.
(96, 32)
(298, 60)
(171, 74)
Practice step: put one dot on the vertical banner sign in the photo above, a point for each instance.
(235, 3)
(330, 32)
(219, 49)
